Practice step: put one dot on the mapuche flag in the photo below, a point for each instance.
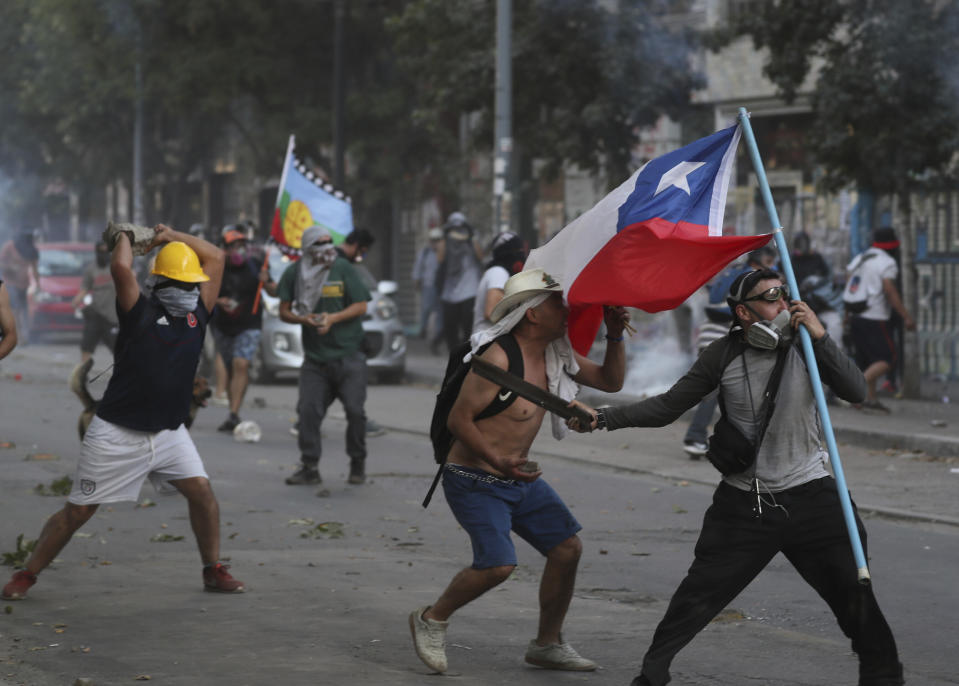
(651, 242)
(306, 200)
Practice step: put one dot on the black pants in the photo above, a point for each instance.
(457, 322)
(735, 545)
(321, 384)
(97, 329)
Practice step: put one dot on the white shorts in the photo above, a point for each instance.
(115, 461)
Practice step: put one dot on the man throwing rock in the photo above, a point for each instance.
(490, 485)
(138, 430)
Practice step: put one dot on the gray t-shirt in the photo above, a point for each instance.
(793, 451)
(99, 282)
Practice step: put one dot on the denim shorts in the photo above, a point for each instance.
(243, 345)
(488, 507)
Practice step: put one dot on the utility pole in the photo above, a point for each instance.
(339, 88)
(503, 130)
(139, 217)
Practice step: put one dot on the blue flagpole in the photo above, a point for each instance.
(863, 569)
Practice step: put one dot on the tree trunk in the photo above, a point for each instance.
(902, 218)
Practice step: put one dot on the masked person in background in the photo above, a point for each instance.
(457, 279)
(138, 430)
(870, 298)
(776, 494)
(324, 294)
(236, 326)
(509, 253)
(424, 277)
(18, 262)
(8, 323)
(99, 310)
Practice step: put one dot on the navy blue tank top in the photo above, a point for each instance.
(155, 361)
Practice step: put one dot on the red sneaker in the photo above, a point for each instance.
(16, 588)
(217, 579)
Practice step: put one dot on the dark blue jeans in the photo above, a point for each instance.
(735, 545)
(702, 418)
(320, 385)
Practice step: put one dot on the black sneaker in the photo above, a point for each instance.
(304, 476)
(229, 424)
(374, 429)
(357, 473)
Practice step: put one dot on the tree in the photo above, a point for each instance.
(885, 99)
(585, 78)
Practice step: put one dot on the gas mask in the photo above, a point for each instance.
(769, 335)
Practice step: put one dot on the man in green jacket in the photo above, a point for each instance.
(325, 295)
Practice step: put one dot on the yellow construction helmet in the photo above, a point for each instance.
(177, 261)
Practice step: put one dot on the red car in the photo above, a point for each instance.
(61, 268)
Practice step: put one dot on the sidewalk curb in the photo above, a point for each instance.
(941, 446)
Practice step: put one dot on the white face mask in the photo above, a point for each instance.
(769, 335)
(324, 254)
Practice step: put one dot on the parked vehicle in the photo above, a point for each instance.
(49, 305)
(281, 348)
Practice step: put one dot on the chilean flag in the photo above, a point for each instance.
(651, 242)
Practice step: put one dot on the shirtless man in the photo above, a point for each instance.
(489, 483)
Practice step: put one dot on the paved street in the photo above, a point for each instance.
(331, 580)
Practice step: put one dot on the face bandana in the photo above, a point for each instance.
(176, 301)
(323, 254)
(769, 335)
(238, 257)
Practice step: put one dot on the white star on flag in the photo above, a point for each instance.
(677, 176)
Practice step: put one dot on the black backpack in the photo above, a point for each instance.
(456, 371)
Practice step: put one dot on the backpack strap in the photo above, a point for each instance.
(735, 346)
(505, 397)
(769, 394)
(500, 402)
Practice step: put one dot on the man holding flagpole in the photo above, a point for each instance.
(776, 494)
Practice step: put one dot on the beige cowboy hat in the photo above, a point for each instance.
(521, 287)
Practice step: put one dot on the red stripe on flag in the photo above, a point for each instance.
(276, 229)
(652, 266)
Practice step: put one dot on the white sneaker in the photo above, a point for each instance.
(558, 656)
(695, 449)
(220, 401)
(429, 639)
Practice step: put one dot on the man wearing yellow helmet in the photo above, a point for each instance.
(139, 431)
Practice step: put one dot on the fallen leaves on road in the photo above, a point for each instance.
(165, 538)
(41, 457)
(57, 487)
(729, 615)
(324, 530)
(18, 557)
